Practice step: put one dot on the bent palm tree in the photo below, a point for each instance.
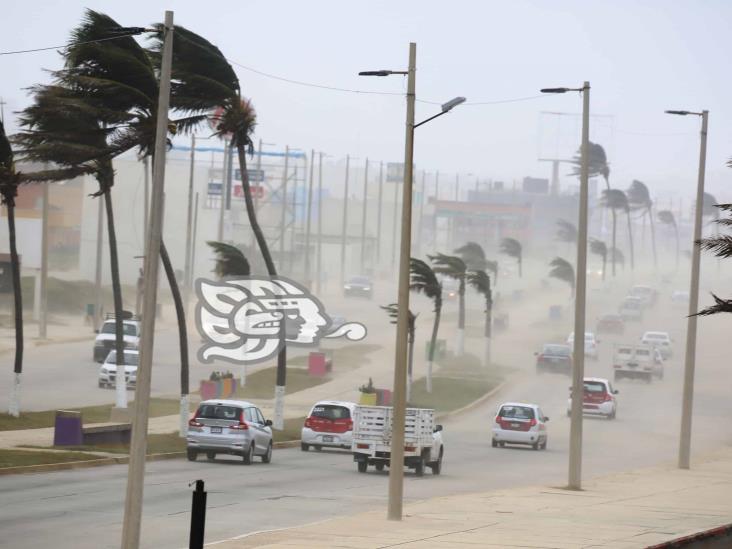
(230, 260)
(667, 218)
(512, 248)
(615, 199)
(455, 268)
(566, 231)
(596, 161)
(640, 199)
(618, 255)
(424, 281)
(473, 255)
(481, 282)
(393, 311)
(561, 269)
(598, 247)
(720, 246)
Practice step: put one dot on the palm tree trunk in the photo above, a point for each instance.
(630, 239)
(612, 211)
(521, 265)
(410, 361)
(119, 344)
(488, 329)
(279, 418)
(604, 264)
(461, 318)
(433, 344)
(653, 236)
(182, 337)
(14, 407)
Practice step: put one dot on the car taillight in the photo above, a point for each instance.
(349, 425)
(362, 446)
(410, 448)
(608, 397)
(532, 422)
(241, 426)
(193, 423)
(617, 366)
(308, 422)
(498, 420)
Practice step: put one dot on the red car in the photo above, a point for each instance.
(610, 324)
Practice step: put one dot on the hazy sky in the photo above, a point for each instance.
(641, 56)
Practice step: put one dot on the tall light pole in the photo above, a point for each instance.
(283, 213)
(396, 471)
(138, 443)
(319, 252)
(378, 213)
(690, 358)
(344, 225)
(308, 214)
(189, 223)
(364, 213)
(578, 362)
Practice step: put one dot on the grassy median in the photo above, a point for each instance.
(19, 458)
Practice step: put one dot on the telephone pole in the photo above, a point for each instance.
(43, 320)
(307, 220)
(344, 227)
(378, 212)
(189, 224)
(363, 216)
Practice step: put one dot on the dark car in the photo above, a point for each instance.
(554, 357)
(359, 286)
(610, 324)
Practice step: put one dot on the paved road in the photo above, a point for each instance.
(83, 508)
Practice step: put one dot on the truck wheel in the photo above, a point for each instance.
(379, 466)
(191, 455)
(363, 466)
(419, 469)
(437, 465)
(304, 447)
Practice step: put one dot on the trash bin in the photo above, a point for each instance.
(319, 365)
(67, 429)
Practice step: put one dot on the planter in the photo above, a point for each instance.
(224, 388)
(368, 399)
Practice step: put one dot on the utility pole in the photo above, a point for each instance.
(308, 215)
(344, 226)
(394, 230)
(138, 444)
(2, 110)
(319, 269)
(283, 190)
(418, 245)
(43, 320)
(363, 216)
(189, 224)
(434, 213)
(223, 184)
(193, 244)
(378, 213)
(261, 183)
(146, 200)
(98, 269)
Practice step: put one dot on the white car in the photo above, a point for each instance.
(598, 399)
(105, 340)
(646, 294)
(108, 370)
(520, 423)
(328, 425)
(659, 340)
(590, 344)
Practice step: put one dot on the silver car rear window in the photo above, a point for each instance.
(212, 411)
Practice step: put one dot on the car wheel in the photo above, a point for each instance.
(267, 458)
(101, 385)
(304, 447)
(494, 443)
(543, 446)
(535, 446)
(611, 415)
(318, 448)
(419, 469)
(210, 456)
(248, 456)
(191, 455)
(437, 466)
(363, 466)
(379, 466)
(502, 444)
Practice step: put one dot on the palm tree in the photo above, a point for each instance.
(393, 311)
(473, 255)
(597, 162)
(615, 199)
(424, 281)
(562, 269)
(639, 198)
(455, 268)
(230, 260)
(492, 266)
(721, 246)
(512, 248)
(481, 282)
(618, 256)
(566, 231)
(598, 247)
(667, 218)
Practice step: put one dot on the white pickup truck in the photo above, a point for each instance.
(371, 443)
(637, 361)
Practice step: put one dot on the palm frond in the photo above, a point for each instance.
(638, 195)
(598, 247)
(480, 282)
(424, 280)
(617, 255)
(561, 269)
(709, 206)
(667, 217)
(449, 265)
(230, 260)
(472, 254)
(566, 231)
(615, 199)
(597, 162)
(511, 247)
(720, 306)
(720, 245)
(492, 266)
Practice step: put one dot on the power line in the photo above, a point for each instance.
(67, 46)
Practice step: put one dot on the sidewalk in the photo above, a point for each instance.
(622, 511)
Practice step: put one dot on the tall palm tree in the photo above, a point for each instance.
(424, 280)
(639, 198)
(512, 248)
(393, 311)
(667, 218)
(597, 163)
(598, 247)
(454, 267)
(230, 260)
(561, 269)
(720, 246)
(492, 266)
(615, 199)
(473, 255)
(481, 282)
(618, 255)
(566, 231)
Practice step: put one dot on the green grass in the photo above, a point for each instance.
(448, 393)
(292, 429)
(261, 384)
(156, 444)
(18, 458)
(89, 414)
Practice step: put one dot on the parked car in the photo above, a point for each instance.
(661, 341)
(233, 427)
(358, 286)
(519, 423)
(646, 294)
(554, 358)
(610, 324)
(598, 398)
(590, 344)
(328, 425)
(105, 340)
(631, 308)
(108, 370)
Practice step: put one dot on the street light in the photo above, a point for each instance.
(690, 358)
(578, 362)
(396, 472)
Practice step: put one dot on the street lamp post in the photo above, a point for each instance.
(690, 358)
(396, 471)
(578, 362)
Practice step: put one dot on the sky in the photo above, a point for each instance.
(641, 57)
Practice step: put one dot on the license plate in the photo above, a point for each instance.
(327, 438)
(515, 425)
(215, 429)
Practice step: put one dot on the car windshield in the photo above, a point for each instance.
(213, 411)
(331, 411)
(131, 359)
(556, 350)
(127, 329)
(594, 387)
(516, 412)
